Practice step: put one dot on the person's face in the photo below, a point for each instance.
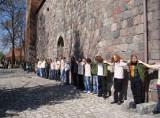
(84, 60)
(134, 60)
(115, 58)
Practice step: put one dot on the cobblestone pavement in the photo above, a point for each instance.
(25, 95)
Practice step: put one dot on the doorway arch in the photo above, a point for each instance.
(60, 45)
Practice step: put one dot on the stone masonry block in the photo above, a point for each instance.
(145, 108)
(129, 40)
(115, 34)
(124, 32)
(155, 54)
(155, 34)
(131, 4)
(124, 23)
(114, 27)
(126, 14)
(130, 22)
(139, 29)
(137, 20)
(137, 2)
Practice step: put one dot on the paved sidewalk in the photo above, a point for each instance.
(25, 95)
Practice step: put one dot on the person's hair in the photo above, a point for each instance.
(99, 59)
(133, 55)
(88, 60)
(118, 58)
(79, 59)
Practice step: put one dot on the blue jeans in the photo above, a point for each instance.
(157, 108)
(51, 74)
(87, 83)
(63, 77)
(95, 83)
(29, 69)
(38, 72)
(42, 72)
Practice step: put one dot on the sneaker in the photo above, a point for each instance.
(88, 92)
(85, 91)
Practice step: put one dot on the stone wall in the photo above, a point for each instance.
(91, 27)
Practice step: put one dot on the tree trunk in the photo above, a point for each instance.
(13, 55)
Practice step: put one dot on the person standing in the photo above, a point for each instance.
(52, 67)
(39, 67)
(102, 77)
(43, 66)
(57, 69)
(118, 78)
(67, 69)
(87, 74)
(62, 70)
(94, 69)
(74, 71)
(137, 78)
(80, 74)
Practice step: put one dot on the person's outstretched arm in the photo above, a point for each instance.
(109, 63)
(149, 66)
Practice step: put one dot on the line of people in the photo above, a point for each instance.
(57, 69)
(91, 76)
(96, 72)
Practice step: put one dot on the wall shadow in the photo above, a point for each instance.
(78, 51)
(21, 99)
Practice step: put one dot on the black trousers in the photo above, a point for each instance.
(137, 90)
(118, 93)
(67, 77)
(74, 78)
(102, 86)
(80, 82)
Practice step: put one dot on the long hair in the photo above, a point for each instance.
(118, 58)
(133, 55)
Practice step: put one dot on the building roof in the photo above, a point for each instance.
(17, 53)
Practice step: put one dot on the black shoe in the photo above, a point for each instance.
(99, 95)
(119, 102)
(104, 97)
(155, 112)
(113, 102)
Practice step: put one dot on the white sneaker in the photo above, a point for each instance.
(88, 92)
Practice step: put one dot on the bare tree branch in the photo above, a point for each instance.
(12, 13)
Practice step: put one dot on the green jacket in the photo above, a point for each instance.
(94, 68)
(142, 70)
(105, 69)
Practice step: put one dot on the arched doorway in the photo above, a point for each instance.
(60, 46)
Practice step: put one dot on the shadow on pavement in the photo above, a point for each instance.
(21, 99)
